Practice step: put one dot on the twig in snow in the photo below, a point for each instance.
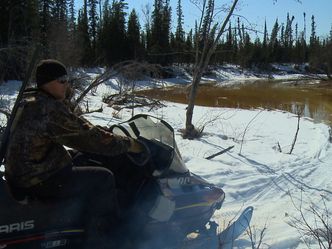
(299, 114)
(245, 130)
(313, 222)
(256, 236)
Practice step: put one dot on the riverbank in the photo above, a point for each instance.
(230, 74)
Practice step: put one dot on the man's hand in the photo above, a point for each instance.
(135, 146)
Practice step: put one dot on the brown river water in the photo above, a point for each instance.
(315, 98)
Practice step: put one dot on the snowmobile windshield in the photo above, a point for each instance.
(154, 129)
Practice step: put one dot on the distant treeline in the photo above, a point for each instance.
(104, 33)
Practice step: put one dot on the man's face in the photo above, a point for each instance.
(61, 90)
(57, 88)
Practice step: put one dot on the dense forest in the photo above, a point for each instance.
(103, 33)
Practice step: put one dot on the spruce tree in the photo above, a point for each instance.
(189, 47)
(160, 32)
(179, 34)
(133, 35)
(93, 26)
(58, 31)
(83, 38)
(166, 32)
(313, 37)
(45, 7)
(274, 42)
(264, 48)
(265, 38)
(104, 34)
(117, 40)
(18, 31)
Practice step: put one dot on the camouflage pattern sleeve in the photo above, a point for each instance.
(66, 128)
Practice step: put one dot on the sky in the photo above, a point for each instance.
(254, 13)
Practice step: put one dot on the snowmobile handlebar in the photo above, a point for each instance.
(155, 135)
(142, 158)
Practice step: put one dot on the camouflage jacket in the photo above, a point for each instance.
(40, 129)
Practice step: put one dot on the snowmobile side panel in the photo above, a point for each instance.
(34, 223)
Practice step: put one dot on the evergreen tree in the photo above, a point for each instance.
(104, 35)
(264, 49)
(115, 44)
(166, 31)
(288, 37)
(45, 7)
(93, 26)
(59, 11)
(179, 41)
(265, 38)
(179, 34)
(313, 37)
(71, 18)
(18, 30)
(282, 35)
(156, 25)
(240, 33)
(31, 21)
(73, 51)
(58, 32)
(83, 35)
(189, 47)
(274, 43)
(315, 50)
(229, 43)
(160, 32)
(133, 35)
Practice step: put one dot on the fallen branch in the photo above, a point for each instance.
(131, 101)
(220, 152)
(97, 110)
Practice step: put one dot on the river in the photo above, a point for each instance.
(314, 98)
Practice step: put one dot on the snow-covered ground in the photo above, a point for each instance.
(260, 175)
(254, 172)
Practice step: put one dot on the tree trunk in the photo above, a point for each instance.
(201, 63)
(190, 129)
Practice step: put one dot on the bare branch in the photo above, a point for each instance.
(247, 126)
(120, 68)
(299, 114)
(318, 229)
(256, 236)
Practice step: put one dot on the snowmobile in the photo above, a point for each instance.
(159, 196)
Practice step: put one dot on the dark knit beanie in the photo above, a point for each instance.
(48, 70)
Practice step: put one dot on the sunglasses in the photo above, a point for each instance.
(63, 79)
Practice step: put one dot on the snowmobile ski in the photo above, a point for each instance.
(232, 232)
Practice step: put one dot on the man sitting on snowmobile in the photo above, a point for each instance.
(38, 165)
